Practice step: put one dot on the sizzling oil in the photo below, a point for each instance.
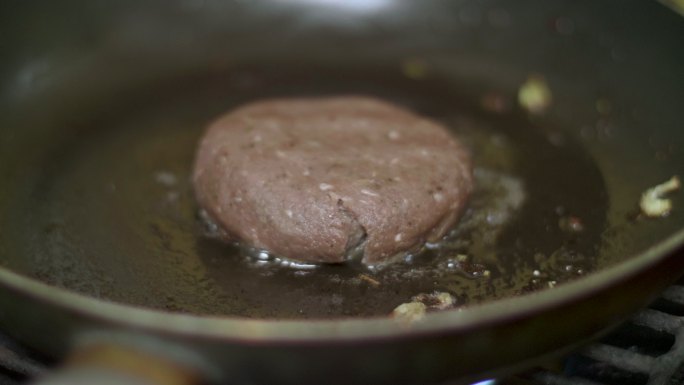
(117, 218)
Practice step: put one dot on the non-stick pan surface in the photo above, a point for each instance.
(112, 213)
(99, 136)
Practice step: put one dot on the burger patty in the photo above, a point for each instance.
(326, 179)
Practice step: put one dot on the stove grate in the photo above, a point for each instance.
(646, 350)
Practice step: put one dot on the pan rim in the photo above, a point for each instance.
(337, 329)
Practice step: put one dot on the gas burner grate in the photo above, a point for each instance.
(18, 364)
(646, 350)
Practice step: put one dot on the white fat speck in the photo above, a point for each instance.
(289, 213)
(652, 202)
(534, 95)
(369, 192)
(262, 255)
(424, 152)
(394, 161)
(393, 135)
(438, 197)
(397, 238)
(256, 138)
(409, 312)
(237, 199)
(536, 273)
(325, 186)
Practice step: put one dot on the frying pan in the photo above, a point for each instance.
(106, 261)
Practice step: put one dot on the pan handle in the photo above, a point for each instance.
(112, 364)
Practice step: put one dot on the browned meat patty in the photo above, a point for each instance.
(321, 179)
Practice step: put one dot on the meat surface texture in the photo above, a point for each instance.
(328, 179)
